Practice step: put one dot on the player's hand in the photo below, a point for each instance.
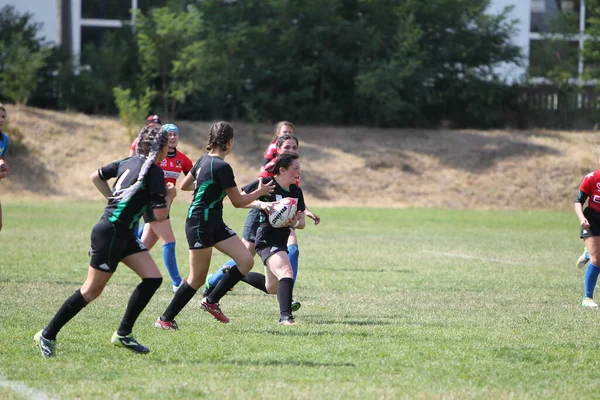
(171, 190)
(265, 188)
(314, 217)
(267, 206)
(585, 224)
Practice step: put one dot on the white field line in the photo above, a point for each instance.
(469, 257)
(23, 390)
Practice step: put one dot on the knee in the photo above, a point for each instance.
(90, 294)
(245, 265)
(293, 250)
(151, 284)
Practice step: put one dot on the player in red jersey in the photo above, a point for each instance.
(173, 165)
(589, 219)
(282, 128)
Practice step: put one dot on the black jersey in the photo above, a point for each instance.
(266, 234)
(152, 193)
(213, 175)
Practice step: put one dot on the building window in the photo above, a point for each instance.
(106, 9)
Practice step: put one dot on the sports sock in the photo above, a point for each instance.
(590, 279)
(256, 280)
(217, 276)
(229, 280)
(181, 298)
(284, 296)
(168, 253)
(65, 313)
(137, 302)
(293, 254)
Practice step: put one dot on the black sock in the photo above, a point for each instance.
(181, 298)
(229, 280)
(256, 280)
(137, 302)
(284, 296)
(69, 309)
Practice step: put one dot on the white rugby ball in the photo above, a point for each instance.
(283, 210)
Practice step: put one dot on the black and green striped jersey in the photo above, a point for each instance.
(213, 175)
(152, 193)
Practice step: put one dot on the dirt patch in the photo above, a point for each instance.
(355, 166)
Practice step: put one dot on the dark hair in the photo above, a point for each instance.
(283, 161)
(219, 134)
(280, 125)
(151, 140)
(283, 138)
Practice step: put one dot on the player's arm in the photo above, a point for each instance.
(313, 216)
(579, 202)
(240, 199)
(3, 168)
(101, 184)
(187, 183)
(298, 222)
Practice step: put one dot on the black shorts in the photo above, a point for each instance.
(251, 225)
(202, 234)
(593, 218)
(148, 216)
(110, 243)
(266, 252)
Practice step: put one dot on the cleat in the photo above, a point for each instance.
(166, 325)
(589, 303)
(296, 305)
(214, 310)
(176, 288)
(582, 260)
(129, 342)
(46, 346)
(287, 320)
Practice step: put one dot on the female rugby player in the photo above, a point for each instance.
(212, 179)
(139, 184)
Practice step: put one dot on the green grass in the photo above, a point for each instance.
(403, 303)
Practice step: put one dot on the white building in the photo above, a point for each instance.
(73, 23)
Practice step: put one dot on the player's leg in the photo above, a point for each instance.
(103, 263)
(279, 279)
(234, 248)
(590, 279)
(164, 231)
(583, 259)
(142, 264)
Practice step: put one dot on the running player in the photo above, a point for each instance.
(271, 243)
(281, 128)
(212, 179)
(173, 165)
(285, 144)
(589, 220)
(139, 184)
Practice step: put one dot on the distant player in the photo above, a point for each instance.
(173, 165)
(589, 220)
(3, 150)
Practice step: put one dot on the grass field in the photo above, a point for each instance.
(403, 303)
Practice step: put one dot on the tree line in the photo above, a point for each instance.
(394, 63)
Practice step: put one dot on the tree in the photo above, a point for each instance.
(21, 55)
(165, 39)
(132, 110)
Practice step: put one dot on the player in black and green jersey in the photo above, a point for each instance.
(139, 184)
(212, 179)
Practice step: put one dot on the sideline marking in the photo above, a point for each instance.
(468, 257)
(23, 390)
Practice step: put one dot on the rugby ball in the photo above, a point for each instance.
(283, 210)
